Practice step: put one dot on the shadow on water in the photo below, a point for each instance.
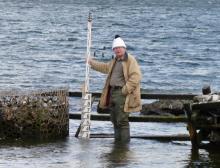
(119, 156)
(30, 142)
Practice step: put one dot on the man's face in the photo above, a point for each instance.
(119, 51)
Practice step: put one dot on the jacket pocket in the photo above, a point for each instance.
(134, 100)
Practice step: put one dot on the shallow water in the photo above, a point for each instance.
(43, 44)
(97, 152)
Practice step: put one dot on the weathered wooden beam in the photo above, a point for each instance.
(140, 118)
(206, 106)
(167, 96)
(79, 94)
(178, 137)
(145, 95)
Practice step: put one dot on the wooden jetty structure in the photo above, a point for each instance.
(141, 118)
(203, 123)
(177, 137)
(146, 95)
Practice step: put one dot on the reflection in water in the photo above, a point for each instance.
(85, 157)
(204, 158)
(119, 155)
(214, 156)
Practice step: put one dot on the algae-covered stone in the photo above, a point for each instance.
(164, 107)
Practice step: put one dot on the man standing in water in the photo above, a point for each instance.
(121, 93)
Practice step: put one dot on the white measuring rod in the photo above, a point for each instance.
(86, 95)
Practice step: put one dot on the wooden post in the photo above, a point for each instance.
(191, 128)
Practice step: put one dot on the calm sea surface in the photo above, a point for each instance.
(43, 45)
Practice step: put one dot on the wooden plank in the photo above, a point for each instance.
(206, 106)
(168, 96)
(140, 118)
(178, 137)
(145, 95)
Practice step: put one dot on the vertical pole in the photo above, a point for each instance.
(190, 126)
(84, 132)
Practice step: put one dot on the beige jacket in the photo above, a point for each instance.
(131, 89)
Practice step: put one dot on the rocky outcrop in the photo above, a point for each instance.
(164, 107)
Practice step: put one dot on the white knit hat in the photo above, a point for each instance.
(118, 42)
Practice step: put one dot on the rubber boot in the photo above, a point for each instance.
(124, 135)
